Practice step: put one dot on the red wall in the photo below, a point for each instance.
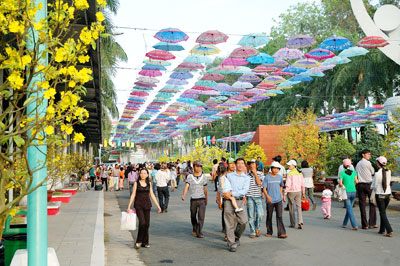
(269, 138)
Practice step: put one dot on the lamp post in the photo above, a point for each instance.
(229, 121)
(37, 154)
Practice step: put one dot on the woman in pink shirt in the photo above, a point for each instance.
(295, 191)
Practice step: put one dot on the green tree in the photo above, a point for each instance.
(338, 149)
(371, 140)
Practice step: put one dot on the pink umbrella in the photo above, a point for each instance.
(280, 73)
(189, 65)
(319, 54)
(150, 73)
(213, 77)
(160, 55)
(145, 84)
(139, 93)
(288, 54)
(201, 88)
(278, 64)
(244, 52)
(234, 62)
(212, 37)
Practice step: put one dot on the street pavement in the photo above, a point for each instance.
(321, 242)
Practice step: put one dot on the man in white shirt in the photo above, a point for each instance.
(162, 177)
(365, 171)
(115, 175)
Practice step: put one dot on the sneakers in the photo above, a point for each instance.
(238, 210)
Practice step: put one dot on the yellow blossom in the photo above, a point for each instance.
(81, 4)
(78, 137)
(84, 75)
(15, 80)
(50, 109)
(49, 130)
(100, 17)
(68, 99)
(67, 128)
(47, 94)
(83, 58)
(16, 26)
(61, 55)
(86, 36)
(71, 84)
(102, 3)
(45, 84)
(26, 59)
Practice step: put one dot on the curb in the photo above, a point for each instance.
(97, 258)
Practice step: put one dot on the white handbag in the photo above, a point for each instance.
(128, 221)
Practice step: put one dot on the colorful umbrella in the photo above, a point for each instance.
(337, 60)
(148, 79)
(171, 35)
(264, 69)
(150, 73)
(372, 42)
(300, 41)
(207, 83)
(288, 54)
(307, 63)
(168, 46)
(145, 84)
(278, 64)
(190, 65)
(177, 82)
(181, 75)
(301, 77)
(157, 62)
(242, 85)
(294, 69)
(319, 54)
(336, 43)
(282, 73)
(274, 79)
(353, 51)
(254, 40)
(261, 58)
(160, 55)
(234, 62)
(249, 78)
(222, 87)
(212, 37)
(198, 59)
(204, 49)
(153, 67)
(243, 52)
(213, 76)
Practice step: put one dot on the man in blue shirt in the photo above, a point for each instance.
(240, 183)
(260, 165)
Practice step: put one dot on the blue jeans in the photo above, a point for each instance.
(255, 211)
(351, 196)
(130, 187)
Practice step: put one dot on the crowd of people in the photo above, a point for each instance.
(241, 188)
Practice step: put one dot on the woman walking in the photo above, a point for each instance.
(141, 194)
(381, 186)
(295, 191)
(308, 173)
(348, 179)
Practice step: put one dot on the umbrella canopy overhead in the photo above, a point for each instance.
(157, 62)
(319, 54)
(261, 58)
(300, 41)
(249, 78)
(181, 75)
(150, 73)
(244, 52)
(301, 77)
(254, 40)
(336, 43)
(234, 62)
(337, 60)
(204, 49)
(372, 42)
(353, 51)
(213, 76)
(177, 82)
(242, 85)
(307, 63)
(288, 54)
(171, 35)
(212, 37)
(160, 55)
(168, 46)
(198, 59)
(294, 69)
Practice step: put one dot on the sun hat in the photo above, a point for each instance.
(347, 162)
(231, 160)
(292, 162)
(276, 165)
(382, 160)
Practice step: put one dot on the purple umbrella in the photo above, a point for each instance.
(300, 41)
(288, 53)
(177, 82)
(181, 75)
(249, 78)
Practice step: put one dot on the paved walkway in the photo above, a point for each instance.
(77, 231)
(119, 244)
(321, 242)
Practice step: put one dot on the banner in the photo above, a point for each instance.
(105, 143)
(213, 140)
(208, 140)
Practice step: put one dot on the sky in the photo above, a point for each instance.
(232, 17)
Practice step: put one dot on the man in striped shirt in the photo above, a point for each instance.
(255, 208)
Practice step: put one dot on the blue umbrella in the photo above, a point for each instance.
(168, 46)
(353, 51)
(294, 69)
(301, 78)
(261, 58)
(336, 43)
(254, 40)
(177, 82)
(153, 67)
(171, 35)
(181, 75)
(198, 59)
(206, 83)
(175, 87)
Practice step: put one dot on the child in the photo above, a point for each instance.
(111, 184)
(225, 186)
(326, 202)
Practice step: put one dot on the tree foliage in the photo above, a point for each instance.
(338, 149)
(371, 140)
(254, 151)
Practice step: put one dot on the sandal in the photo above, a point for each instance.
(300, 226)
(389, 234)
(138, 245)
(354, 228)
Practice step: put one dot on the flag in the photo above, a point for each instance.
(208, 140)
(123, 144)
(205, 140)
(213, 140)
(128, 143)
(105, 143)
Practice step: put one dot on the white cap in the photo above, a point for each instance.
(276, 165)
(292, 162)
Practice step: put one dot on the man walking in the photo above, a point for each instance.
(240, 183)
(255, 208)
(197, 183)
(260, 165)
(92, 176)
(162, 178)
(115, 176)
(364, 173)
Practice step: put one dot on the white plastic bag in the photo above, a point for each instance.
(128, 221)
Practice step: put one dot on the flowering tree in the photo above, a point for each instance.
(302, 140)
(34, 83)
(254, 151)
